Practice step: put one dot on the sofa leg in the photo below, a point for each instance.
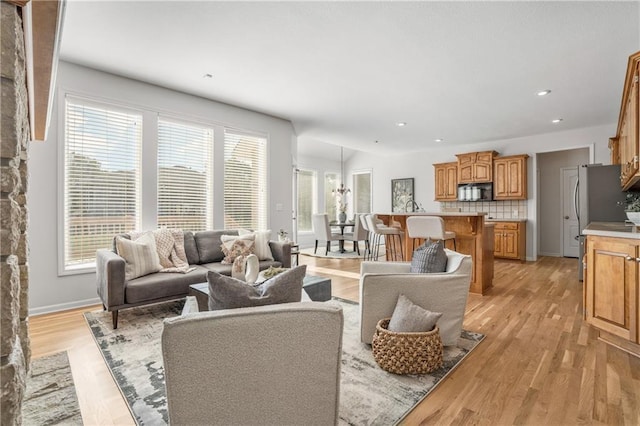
(316, 248)
(114, 319)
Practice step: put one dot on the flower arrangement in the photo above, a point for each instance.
(632, 202)
(342, 207)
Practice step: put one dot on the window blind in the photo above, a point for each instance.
(101, 178)
(362, 192)
(245, 180)
(185, 158)
(330, 200)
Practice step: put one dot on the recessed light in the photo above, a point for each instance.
(556, 120)
(375, 142)
(543, 92)
(438, 140)
(401, 124)
(207, 75)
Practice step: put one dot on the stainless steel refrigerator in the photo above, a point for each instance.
(598, 197)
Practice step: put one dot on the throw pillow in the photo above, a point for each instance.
(429, 257)
(408, 317)
(234, 246)
(140, 256)
(261, 249)
(228, 293)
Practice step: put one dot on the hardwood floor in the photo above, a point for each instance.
(539, 364)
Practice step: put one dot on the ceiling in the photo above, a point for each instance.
(345, 73)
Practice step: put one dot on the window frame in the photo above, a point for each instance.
(355, 189)
(314, 199)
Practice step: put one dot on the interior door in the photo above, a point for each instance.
(570, 227)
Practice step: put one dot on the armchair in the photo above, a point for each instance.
(276, 364)
(446, 292)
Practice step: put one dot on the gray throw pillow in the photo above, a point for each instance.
(227, 293)
(429, 257)
(408, 317)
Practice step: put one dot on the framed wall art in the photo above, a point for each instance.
(402, 195)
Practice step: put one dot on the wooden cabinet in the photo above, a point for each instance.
(446, 178)
(627, 141)
(510, 177)
(611, 290)
(475, 167)
(510, 240)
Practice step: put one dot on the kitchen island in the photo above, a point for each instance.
(474, 236)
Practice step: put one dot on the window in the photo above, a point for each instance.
(185, 158)
(362, 192)
(330, 200)
(245, 180)
(306, 199)
(101, 178)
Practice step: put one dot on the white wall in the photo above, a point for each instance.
(47, 290)
(419, 166)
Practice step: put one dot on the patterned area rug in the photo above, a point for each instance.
(368, 394)
(50, 398)
(335, 254)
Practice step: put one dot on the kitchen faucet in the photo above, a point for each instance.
(415, 206)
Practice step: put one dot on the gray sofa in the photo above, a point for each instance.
(203, 253)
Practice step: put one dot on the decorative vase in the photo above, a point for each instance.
(342, 217)
(634, 217)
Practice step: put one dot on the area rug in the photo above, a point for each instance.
(335, 254)
(50, 397)
(368, 395)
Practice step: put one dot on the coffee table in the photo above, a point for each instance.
(318, 289)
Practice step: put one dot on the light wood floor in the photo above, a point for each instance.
(539, 364)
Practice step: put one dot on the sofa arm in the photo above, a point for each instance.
(281, 252)
(110, 278)
(371, 267)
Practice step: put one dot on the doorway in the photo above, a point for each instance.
(570, 230)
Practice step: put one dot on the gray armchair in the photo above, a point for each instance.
(446, 292)
(267, 365)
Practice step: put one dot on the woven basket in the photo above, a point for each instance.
(407, 353)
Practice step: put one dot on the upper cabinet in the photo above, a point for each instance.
(625, 145)
(446, 175)
(510, 177)
(475, 167)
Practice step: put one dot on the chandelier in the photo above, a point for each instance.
(342, 189)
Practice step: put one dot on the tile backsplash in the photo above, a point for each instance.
(516, 209)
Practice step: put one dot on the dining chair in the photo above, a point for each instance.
(322, 232)
(432, 227)
(359, 234)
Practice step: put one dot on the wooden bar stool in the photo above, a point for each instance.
(429, 227)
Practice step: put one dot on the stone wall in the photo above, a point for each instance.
(14, 269)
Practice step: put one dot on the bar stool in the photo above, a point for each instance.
(429, 227)
(391, 244)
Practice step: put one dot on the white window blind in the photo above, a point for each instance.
(185, 158)
(306, 199)
(101, 178)
(330, 200)
(245, 180)
(362, 192)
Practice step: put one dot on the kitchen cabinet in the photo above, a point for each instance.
(510, 240)
(510, 177)
(611, 290)
(627, 143)
(475, 167)
(446, 178)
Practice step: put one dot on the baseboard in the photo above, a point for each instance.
(64, 306)
(549, 254)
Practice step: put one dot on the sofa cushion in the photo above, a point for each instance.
(261, 249)
(228, 293)
(408, 317)
(225, 268)
(191, 249)
(208, 244)
(234, 246)
(429, 257)
(158, 286)
(141, 255)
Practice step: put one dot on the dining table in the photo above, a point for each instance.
(342, 225)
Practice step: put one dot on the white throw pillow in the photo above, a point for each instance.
(261, 249)
(234, 246)
(140, 256)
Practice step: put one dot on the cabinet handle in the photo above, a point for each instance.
(629, 258)
(638, 259)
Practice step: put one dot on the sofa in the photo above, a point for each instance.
(203, 253)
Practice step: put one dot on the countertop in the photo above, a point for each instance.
(443, 214)
(494, 219)
(612, 229)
